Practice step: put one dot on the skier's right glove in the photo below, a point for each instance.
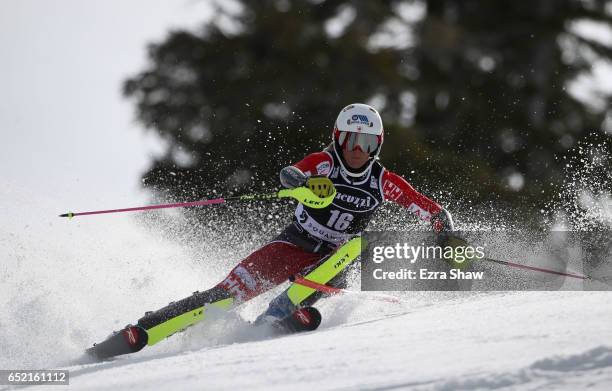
(292, 177)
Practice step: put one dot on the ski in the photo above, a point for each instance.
(177, 316)
(158, 325)
(305, 319)
(302, 319)
(326, 271)
(129, 340)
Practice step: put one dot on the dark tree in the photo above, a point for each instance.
(471, 92)
(492, 85)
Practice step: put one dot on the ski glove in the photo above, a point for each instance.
(442, 222)
(292, 177)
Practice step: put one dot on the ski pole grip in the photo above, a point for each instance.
(306, 197)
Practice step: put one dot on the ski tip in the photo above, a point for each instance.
(69, 215)
(306, 319)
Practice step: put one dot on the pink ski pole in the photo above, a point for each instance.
(176, 205)
(538, 269)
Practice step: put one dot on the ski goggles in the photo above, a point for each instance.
(351, 140)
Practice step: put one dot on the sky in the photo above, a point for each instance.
(62, 63)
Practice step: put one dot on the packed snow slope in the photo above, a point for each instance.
(68, 283)
(520, 341)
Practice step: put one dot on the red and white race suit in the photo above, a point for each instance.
(314, 233)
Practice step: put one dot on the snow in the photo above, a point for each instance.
(68, 283)
(523, 340)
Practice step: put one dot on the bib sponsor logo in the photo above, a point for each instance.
(316, 229)
(373, 182)
(334, 173)
(354, 199)
(321, 232)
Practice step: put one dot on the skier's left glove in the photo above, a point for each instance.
(442, 221)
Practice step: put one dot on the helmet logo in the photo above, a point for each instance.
(359, 119)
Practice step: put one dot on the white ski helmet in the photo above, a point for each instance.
(358, 126)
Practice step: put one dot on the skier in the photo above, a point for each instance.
(362, 184)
